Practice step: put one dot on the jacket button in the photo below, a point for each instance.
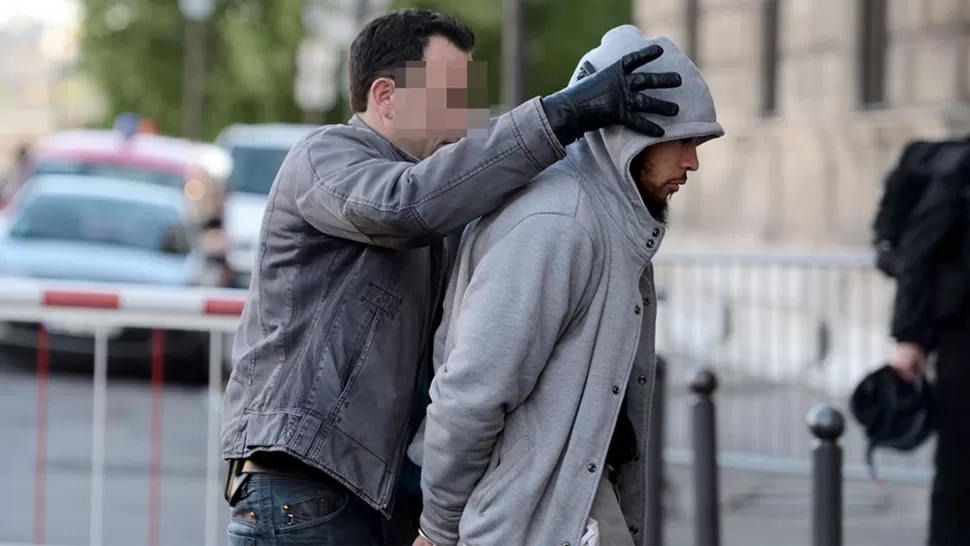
(636, 310)
(641, 380)
(646, 301)
(616, 390)
(591, 467)
(650, 243)
(634, 529)
(656, 232)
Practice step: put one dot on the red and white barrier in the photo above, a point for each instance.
(118, 305)
(102, 308)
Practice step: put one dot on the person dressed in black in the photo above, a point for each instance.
(931, 314)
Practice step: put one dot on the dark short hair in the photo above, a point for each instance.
(395, 38)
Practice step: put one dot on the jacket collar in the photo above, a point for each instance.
(619, 197)
(355, 121)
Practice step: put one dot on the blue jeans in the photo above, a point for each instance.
(272, 510)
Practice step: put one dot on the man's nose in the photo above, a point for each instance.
(689, 159)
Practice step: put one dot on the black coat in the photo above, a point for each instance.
(933, 255)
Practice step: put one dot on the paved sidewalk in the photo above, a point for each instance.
(761, 509)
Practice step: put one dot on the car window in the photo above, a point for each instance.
(254, 169)
(101, 220)
(110, 170)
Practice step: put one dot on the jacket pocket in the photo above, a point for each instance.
(511, 461)
(358, 323)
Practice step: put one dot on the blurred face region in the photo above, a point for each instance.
(660, 170)
(435, 102)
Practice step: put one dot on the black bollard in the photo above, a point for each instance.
(655, 459)
(827, 425)
(707, 499)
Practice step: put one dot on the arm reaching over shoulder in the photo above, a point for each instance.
(521, 295)
(351, 190)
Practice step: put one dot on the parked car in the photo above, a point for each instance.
(108, 230)
(153, 159)
(257, 152)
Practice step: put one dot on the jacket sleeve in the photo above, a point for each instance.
(519, 299)
(358, 194)
(928, 225)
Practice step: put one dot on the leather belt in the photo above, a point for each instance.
(250, 466)
(240, 469)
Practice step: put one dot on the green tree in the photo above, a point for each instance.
(558, 33)
(134, 52)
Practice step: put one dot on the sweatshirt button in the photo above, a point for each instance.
(634, 529)
(591, 467)
(650, 243)
(616, 390)
(641, 380)
(656, 232)
(636, 310)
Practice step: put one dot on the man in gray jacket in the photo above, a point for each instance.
(351, 265)
(547, 339)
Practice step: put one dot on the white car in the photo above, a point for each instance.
(257, 151)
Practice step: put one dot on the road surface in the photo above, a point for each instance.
(758, 508)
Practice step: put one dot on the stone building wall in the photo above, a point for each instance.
(807, 175)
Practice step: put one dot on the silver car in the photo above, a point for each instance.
(84, 228)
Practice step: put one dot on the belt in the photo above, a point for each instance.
(240, 469)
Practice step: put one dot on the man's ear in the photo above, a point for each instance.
(382, 96)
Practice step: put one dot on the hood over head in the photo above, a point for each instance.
(697, 117)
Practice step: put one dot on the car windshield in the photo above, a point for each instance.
(100, 220)
(254, 169)
(111, 170)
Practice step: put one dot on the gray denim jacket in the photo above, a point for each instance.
(346, 281)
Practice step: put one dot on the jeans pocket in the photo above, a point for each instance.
(308, 504)
(243, 512)
(240, 540)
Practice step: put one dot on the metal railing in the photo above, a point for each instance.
(783, 331)
(105, 310)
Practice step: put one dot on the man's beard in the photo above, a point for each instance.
(658, 207)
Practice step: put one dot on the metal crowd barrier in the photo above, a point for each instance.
(107, 308)
(783, 331)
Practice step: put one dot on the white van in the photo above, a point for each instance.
(257, 152)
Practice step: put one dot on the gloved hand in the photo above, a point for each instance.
(613, 96)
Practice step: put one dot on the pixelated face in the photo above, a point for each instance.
(437, 101)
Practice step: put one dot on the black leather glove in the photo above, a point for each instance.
(612, 96)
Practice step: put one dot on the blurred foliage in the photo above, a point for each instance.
(134, 50)
(558, 34)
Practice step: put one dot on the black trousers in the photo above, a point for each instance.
(950, 493)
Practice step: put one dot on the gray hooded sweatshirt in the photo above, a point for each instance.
(548, 321)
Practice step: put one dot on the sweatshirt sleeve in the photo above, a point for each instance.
(520, 297)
